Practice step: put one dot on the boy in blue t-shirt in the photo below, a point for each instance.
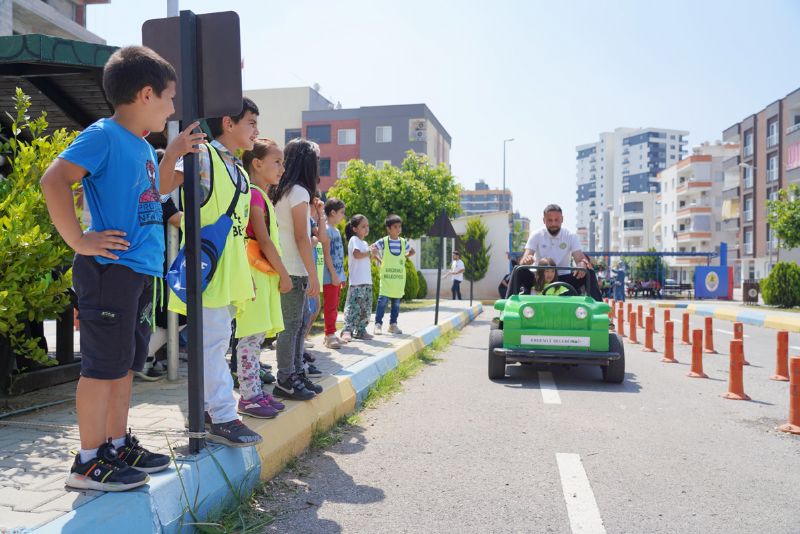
(394, 227)
(117, 259)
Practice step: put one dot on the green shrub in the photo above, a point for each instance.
(412, 282)
(422, 291)
(31, 250)
(782, 286)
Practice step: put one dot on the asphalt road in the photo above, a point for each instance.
(560, 452)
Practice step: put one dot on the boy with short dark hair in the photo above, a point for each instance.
(117, 260)
(392, 252)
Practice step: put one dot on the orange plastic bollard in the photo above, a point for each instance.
(782, 358)
(685, 334)
(697, 355)
(667, 316)
(640, 315)
(653, 315)
(735, 378)
(793, 426)
(709, 348)
(630, 310)
(632, 329)
(648, 334)
(738, 331)
(669, 343)
(620, 322)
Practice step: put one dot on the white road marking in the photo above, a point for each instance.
(728, 332)
(584, 516)
(548, 388)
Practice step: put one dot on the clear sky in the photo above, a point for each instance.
(552, 74)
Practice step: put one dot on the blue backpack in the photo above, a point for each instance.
(212, 243)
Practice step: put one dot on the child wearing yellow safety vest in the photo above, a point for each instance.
(392, 251)
(231, 287)
(261, 317)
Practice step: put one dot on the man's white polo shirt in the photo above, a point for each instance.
(558, 247)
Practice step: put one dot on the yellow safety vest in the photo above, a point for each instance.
(393, 271)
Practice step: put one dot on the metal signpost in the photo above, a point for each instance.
(206, 53)
(442, 228)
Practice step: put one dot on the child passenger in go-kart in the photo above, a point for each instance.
(544, 277)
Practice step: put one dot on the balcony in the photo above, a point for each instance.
(793, 128)
(733, 192)
(688, 211)
(730, 224)
(748, 151)
(772, 140)
(692, 186)
(689, 236)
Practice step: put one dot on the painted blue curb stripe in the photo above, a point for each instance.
(366, 372)
(704, 310)
(159, 506)
(751, 317)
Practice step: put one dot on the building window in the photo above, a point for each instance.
(772, 133)
(319, 133)
(325, 166)
(340, 168)
(748, 143)
(383, 134)
(772, 167)
(381, 163)
(347, 137)
(292, 133)
(748, 177)
(748, 209)
(748, 241)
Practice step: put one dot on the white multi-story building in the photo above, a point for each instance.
(623, 162)
(635, 221)
(690, 204)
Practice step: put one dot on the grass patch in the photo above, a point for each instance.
(248, 515)
(323, 439)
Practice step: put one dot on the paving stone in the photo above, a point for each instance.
(69, 501)
(23, 500)
(23, 521)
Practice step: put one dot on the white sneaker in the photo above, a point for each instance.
(378, 330)
(394, 329)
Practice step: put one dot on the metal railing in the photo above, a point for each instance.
(772, 140)
(772, 174)
(748, 215)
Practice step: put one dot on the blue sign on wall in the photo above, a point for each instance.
(711, 282)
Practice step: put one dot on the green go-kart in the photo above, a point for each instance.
(559, 329)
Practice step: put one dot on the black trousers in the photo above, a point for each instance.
(456, 289)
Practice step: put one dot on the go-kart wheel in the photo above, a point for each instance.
(497, 364)
(614, 372)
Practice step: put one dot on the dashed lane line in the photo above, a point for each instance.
(547, 386)
(584, 516)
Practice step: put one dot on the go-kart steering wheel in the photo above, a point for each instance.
(571, 291)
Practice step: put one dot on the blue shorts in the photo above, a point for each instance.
(115, 309)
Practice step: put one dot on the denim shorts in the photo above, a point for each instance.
(115, 309)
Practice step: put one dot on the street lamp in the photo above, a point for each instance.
(511, 215)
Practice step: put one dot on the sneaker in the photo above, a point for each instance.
(316, 388)
(311, 370)
(308, 357)
(136, 456)
(151, 374)
(394, 329)
(105, 472)
(256, 408)
(272, 401)
(233, 434)
(307, 344)
(266, 376)
(366, 336)
(293, 389)
(347, 337)
(266, 366)
(332, 342)
(378, 330)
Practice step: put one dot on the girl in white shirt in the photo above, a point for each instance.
(359, 295)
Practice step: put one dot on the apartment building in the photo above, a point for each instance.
(623, 162)
(281, 110)
(59, 18)
(378, 135)
(690, 206)
(634, 222)
(768, 160)
(484, 199)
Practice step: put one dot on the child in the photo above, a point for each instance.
(117, 259)
(545, 277)
(393, 251)
(312, 307)
(359, 295)
(333, 276)
(457, 272)
(261, 317)
(292, 198)
(221, 173)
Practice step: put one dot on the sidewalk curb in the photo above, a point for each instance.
(736, 314)
(160, 506)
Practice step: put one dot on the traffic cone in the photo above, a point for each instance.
(667, 316)
(735, 379)
(621, 322)
(640, 315)
(793, 426)
(669, 343)
(685, 334)
(632, 329)
(697, 355)
(648, 335)
(782, 358)
(710, 336)
(738, 331)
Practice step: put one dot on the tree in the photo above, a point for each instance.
(415, 191)
(649, 267)
(32, 252)
(784, 217)
(476, 265)
(519, 239)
